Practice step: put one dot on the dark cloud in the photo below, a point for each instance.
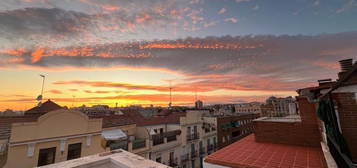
(60, 27)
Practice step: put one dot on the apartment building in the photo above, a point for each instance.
(53, 137)
(49, 134)
(176, 139)
(281, 106)
(252, 107)
(233, 128)
(199, 137)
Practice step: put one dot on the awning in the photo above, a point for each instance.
(115, 134)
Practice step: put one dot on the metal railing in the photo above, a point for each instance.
(191, 137)
(158, 139)
(139, 143)
(184, 157)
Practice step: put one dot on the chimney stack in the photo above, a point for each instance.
(346, 65)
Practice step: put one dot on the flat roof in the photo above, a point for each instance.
(289, 118)
(248, 153)
(114, 159)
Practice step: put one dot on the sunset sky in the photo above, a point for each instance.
(129, 51)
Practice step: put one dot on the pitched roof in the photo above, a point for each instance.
(5, 124)
(248, 153)
(44, 108)
(115, 120)
(173, 118)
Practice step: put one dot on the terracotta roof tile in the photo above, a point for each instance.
(115, 120)
(44, 108)
(173, 118)
(248, 153)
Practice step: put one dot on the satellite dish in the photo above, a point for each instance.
(39, 98)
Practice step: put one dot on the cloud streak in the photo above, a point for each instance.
(278, 63)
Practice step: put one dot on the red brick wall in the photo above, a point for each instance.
(305, 133)
(347, 111)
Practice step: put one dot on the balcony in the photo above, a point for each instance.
(158, 139)
(139, 143)
(193, 136)
(202, 151)
(184, 157)
(193, 154)
(165, 137)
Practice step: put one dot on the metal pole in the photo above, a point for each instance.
(43, 84)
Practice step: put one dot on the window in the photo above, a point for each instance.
(158, 159)
(46, 156)
(161, 130)
(74, 151)
(172, 159)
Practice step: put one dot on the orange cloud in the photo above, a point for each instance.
(14, 52)
(199, 46)
(54, 91)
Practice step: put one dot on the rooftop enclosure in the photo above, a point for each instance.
(247, 153)
(292, 130)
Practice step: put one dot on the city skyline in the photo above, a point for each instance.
(128, 52)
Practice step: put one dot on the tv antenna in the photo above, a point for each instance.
(40, 97)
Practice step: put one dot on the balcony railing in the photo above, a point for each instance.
(171, 138)
(202, 151)
(184, 157)
(191, 137)
(193, 154)
(139, 143)
(158, 139)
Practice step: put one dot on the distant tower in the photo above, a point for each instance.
(199, 104)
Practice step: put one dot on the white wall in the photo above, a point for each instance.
(209, 165)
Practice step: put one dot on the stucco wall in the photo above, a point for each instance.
(48, 131)
(17, 155)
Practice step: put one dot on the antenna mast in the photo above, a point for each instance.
(40, 97)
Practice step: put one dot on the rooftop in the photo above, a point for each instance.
(249, 153)
(289, 118)
(44, 108)
(113, 159)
